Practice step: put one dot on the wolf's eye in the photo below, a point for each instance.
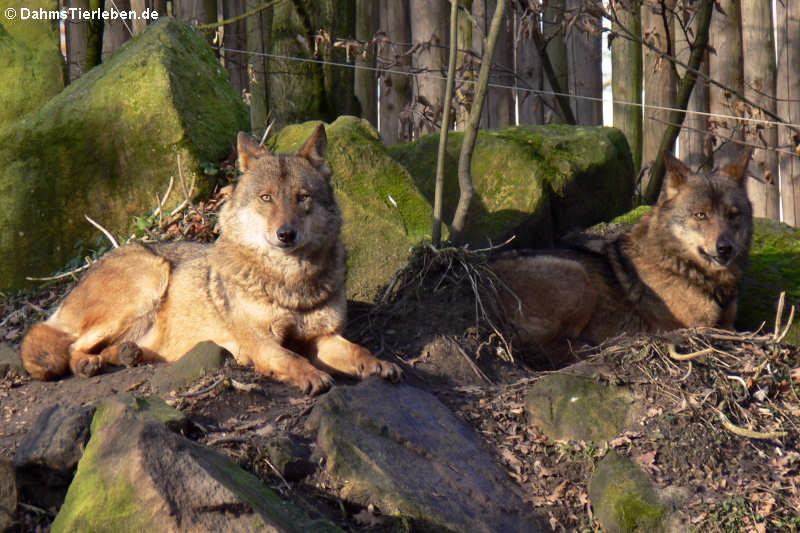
(302, 197)
(733, 215)
(700, 215)
(266, 197)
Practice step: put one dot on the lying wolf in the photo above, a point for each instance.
(679, 266)
(272, 283)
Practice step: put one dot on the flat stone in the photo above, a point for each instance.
(401, 449)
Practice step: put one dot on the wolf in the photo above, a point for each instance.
(270, 287)
(679, 266)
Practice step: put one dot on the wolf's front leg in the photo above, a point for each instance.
(274, 360)
(346, 357)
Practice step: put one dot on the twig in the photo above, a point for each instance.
(202, 391)
(187, 194)
(244, 387)
(162, 201)
(687, 356)
(103, 230)
(277, 473)
(65, 274)
(266, 131)
(215, 25)
(225, 439)
(749, 433)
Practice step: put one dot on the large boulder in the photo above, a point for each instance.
(137, 475)
(535, 182)
(31, 64)
(107, 144)
(419, 461)
(384, 213)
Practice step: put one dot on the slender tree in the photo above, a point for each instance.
(448, 99)
(465, 185)
(788, 24)
(499, 100)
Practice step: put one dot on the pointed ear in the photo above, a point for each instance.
(676, 174)
(248, 151)
(315, 149)
(738, 168)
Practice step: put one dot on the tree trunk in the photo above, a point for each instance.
(585, 75)
(788, 23)
(725, 66)
(499, 103)
(116, 31)
(553, 33)
(692, 139)
(758, 47)
(529, 70)
(395, 87)
(196, 11)
(660, 80)
(77, 35)
(626, 80)
(236, 39)
(365, 80)
(429, 29)
(259, 35)
(308, 90)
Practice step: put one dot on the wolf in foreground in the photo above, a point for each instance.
(679, 266)
(273, 283)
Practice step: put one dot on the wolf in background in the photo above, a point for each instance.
(271, 286)
(679, 266)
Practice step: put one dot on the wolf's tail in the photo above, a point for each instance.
(45, 352)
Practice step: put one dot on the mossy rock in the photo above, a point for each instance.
(623, 497)
(107, 144)
(138, 476)
(31, 64)
(204, 357)
(774, 267)
(535, 182)
(572, 407)
(384, 213)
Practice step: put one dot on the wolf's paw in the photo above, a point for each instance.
(315, 382)
(129, 354)
(89, 366)
(384, 369)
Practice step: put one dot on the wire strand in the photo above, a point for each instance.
(513, 87)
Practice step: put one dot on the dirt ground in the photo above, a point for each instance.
(717, 479)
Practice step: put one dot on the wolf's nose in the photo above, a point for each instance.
(287, 234)
(724, 248)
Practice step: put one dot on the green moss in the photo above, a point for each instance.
(774, 267)
(533, 181)
(96, 150)
(623, 497)
(570, 407)
(384, 213)
(31, 64)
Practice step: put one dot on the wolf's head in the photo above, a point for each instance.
(706, 216)
(283, 203)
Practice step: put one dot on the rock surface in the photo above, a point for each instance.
(535, 182)
(104, 152)
(565, 406)
(31, 64)
(48, 455)
(203, 358)
(136, 475)
(624, 498)
(401, 449)
(8, 494)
